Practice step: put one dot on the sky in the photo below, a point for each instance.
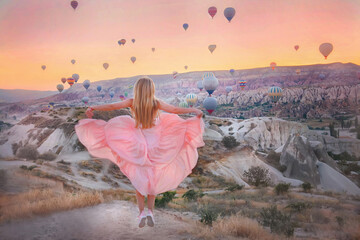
(50, 32)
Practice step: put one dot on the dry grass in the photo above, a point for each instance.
(44, 201)
(234, 226)
(118, 194)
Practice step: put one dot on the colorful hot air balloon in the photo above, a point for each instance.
(119, 42)
(133, 40)
(212, 11)
(43, 67)
(298, 71)
(275, 93)
(70, 81)
(186, 67)
(51, 104)
(122, 97)
(322, 76)
(98, 88)
(191, 99)
(232, 71)
(85, 100)
(76, 77)
(123, 41)
(273, 65)
(126, 94)
(210, 104)
(111, 93)
(183, 105)
(73, 61)
(296, 47)
(60, 87)
(106, 65)
(228, 89)
(175, 73)
(229, 13)
(242, 84)
(133, 59)
(185, 26)
(210, 82)
(102, 95)
(200, 85)
(153, 49)
(63, 80)
(326, 49)
(86, 84)
(74, 4)
(212, 48)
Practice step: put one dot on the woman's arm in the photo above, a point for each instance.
(113, 106)
(177, 110)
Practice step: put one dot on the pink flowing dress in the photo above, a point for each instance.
(156, 159)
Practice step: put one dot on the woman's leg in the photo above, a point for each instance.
(151, 202)
(140, 200)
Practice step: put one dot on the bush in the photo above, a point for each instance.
(282, 188)
(298, 206)
(306, 187)
(28, 152)
(282, 168)
(229, 142)
(257, 176)
(48, 156)
(233, 187)
(340, 221)
(166, 198)
(207, 215)
(192, 195)
(277, 221)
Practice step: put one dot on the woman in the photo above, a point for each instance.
(155, 150)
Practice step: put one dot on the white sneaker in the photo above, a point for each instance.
(141, 219)
(150, 218)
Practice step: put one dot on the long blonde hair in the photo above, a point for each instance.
(145, 106)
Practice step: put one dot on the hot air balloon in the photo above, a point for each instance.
(200, 85)
(232, 71)
(85, 100)
(210, 82)
(212, 48)
(122, 97)
(51, 104)
(175, 73)
(133, 40)
(133, 59)
(153, 49)
(191, 99)
(185, 26)
(186, 67)
(242, 84)
(273, 65)
(210, 104)
(296, 47)
(126, 94)
(228, 89)
(326, 49)
(74, 4)
(98, 88)
(298, 71)
(63, 80)
(70, 81)
(60, 87)
(322, 76)
(43, 67)
(106, 65)
(183, 105)
(275, 93)
(102, 95)
(73, 61)
(111, 93)
(76, 77)
(123, 41)
(212, 11)
(229, 13)
(86, 84)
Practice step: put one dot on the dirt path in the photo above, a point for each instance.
(115, 220)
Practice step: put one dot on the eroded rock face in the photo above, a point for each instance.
(300, 160)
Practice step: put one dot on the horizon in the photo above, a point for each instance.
(51, 33)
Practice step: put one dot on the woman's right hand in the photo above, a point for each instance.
(198, 113)
(89, 112)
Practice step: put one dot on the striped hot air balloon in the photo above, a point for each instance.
(275, 93)
(183, 105)
(325, 49)
(191, 99)
(242, 84)
(60, 87)
(273, 65)
(70, 81)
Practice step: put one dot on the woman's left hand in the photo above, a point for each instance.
(89, 112)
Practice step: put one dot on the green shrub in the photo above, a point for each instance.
(282, 188)
(48, 156)
(229, 142)
(24, 167)
(32, 167)
(166, 198)
(28, 152)
(234, 187)
(193, 195)
(340, 221)
(257, 176)
(306, 187)
(277, 221)
(207, 215)
(298, 206)
(282, 168)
